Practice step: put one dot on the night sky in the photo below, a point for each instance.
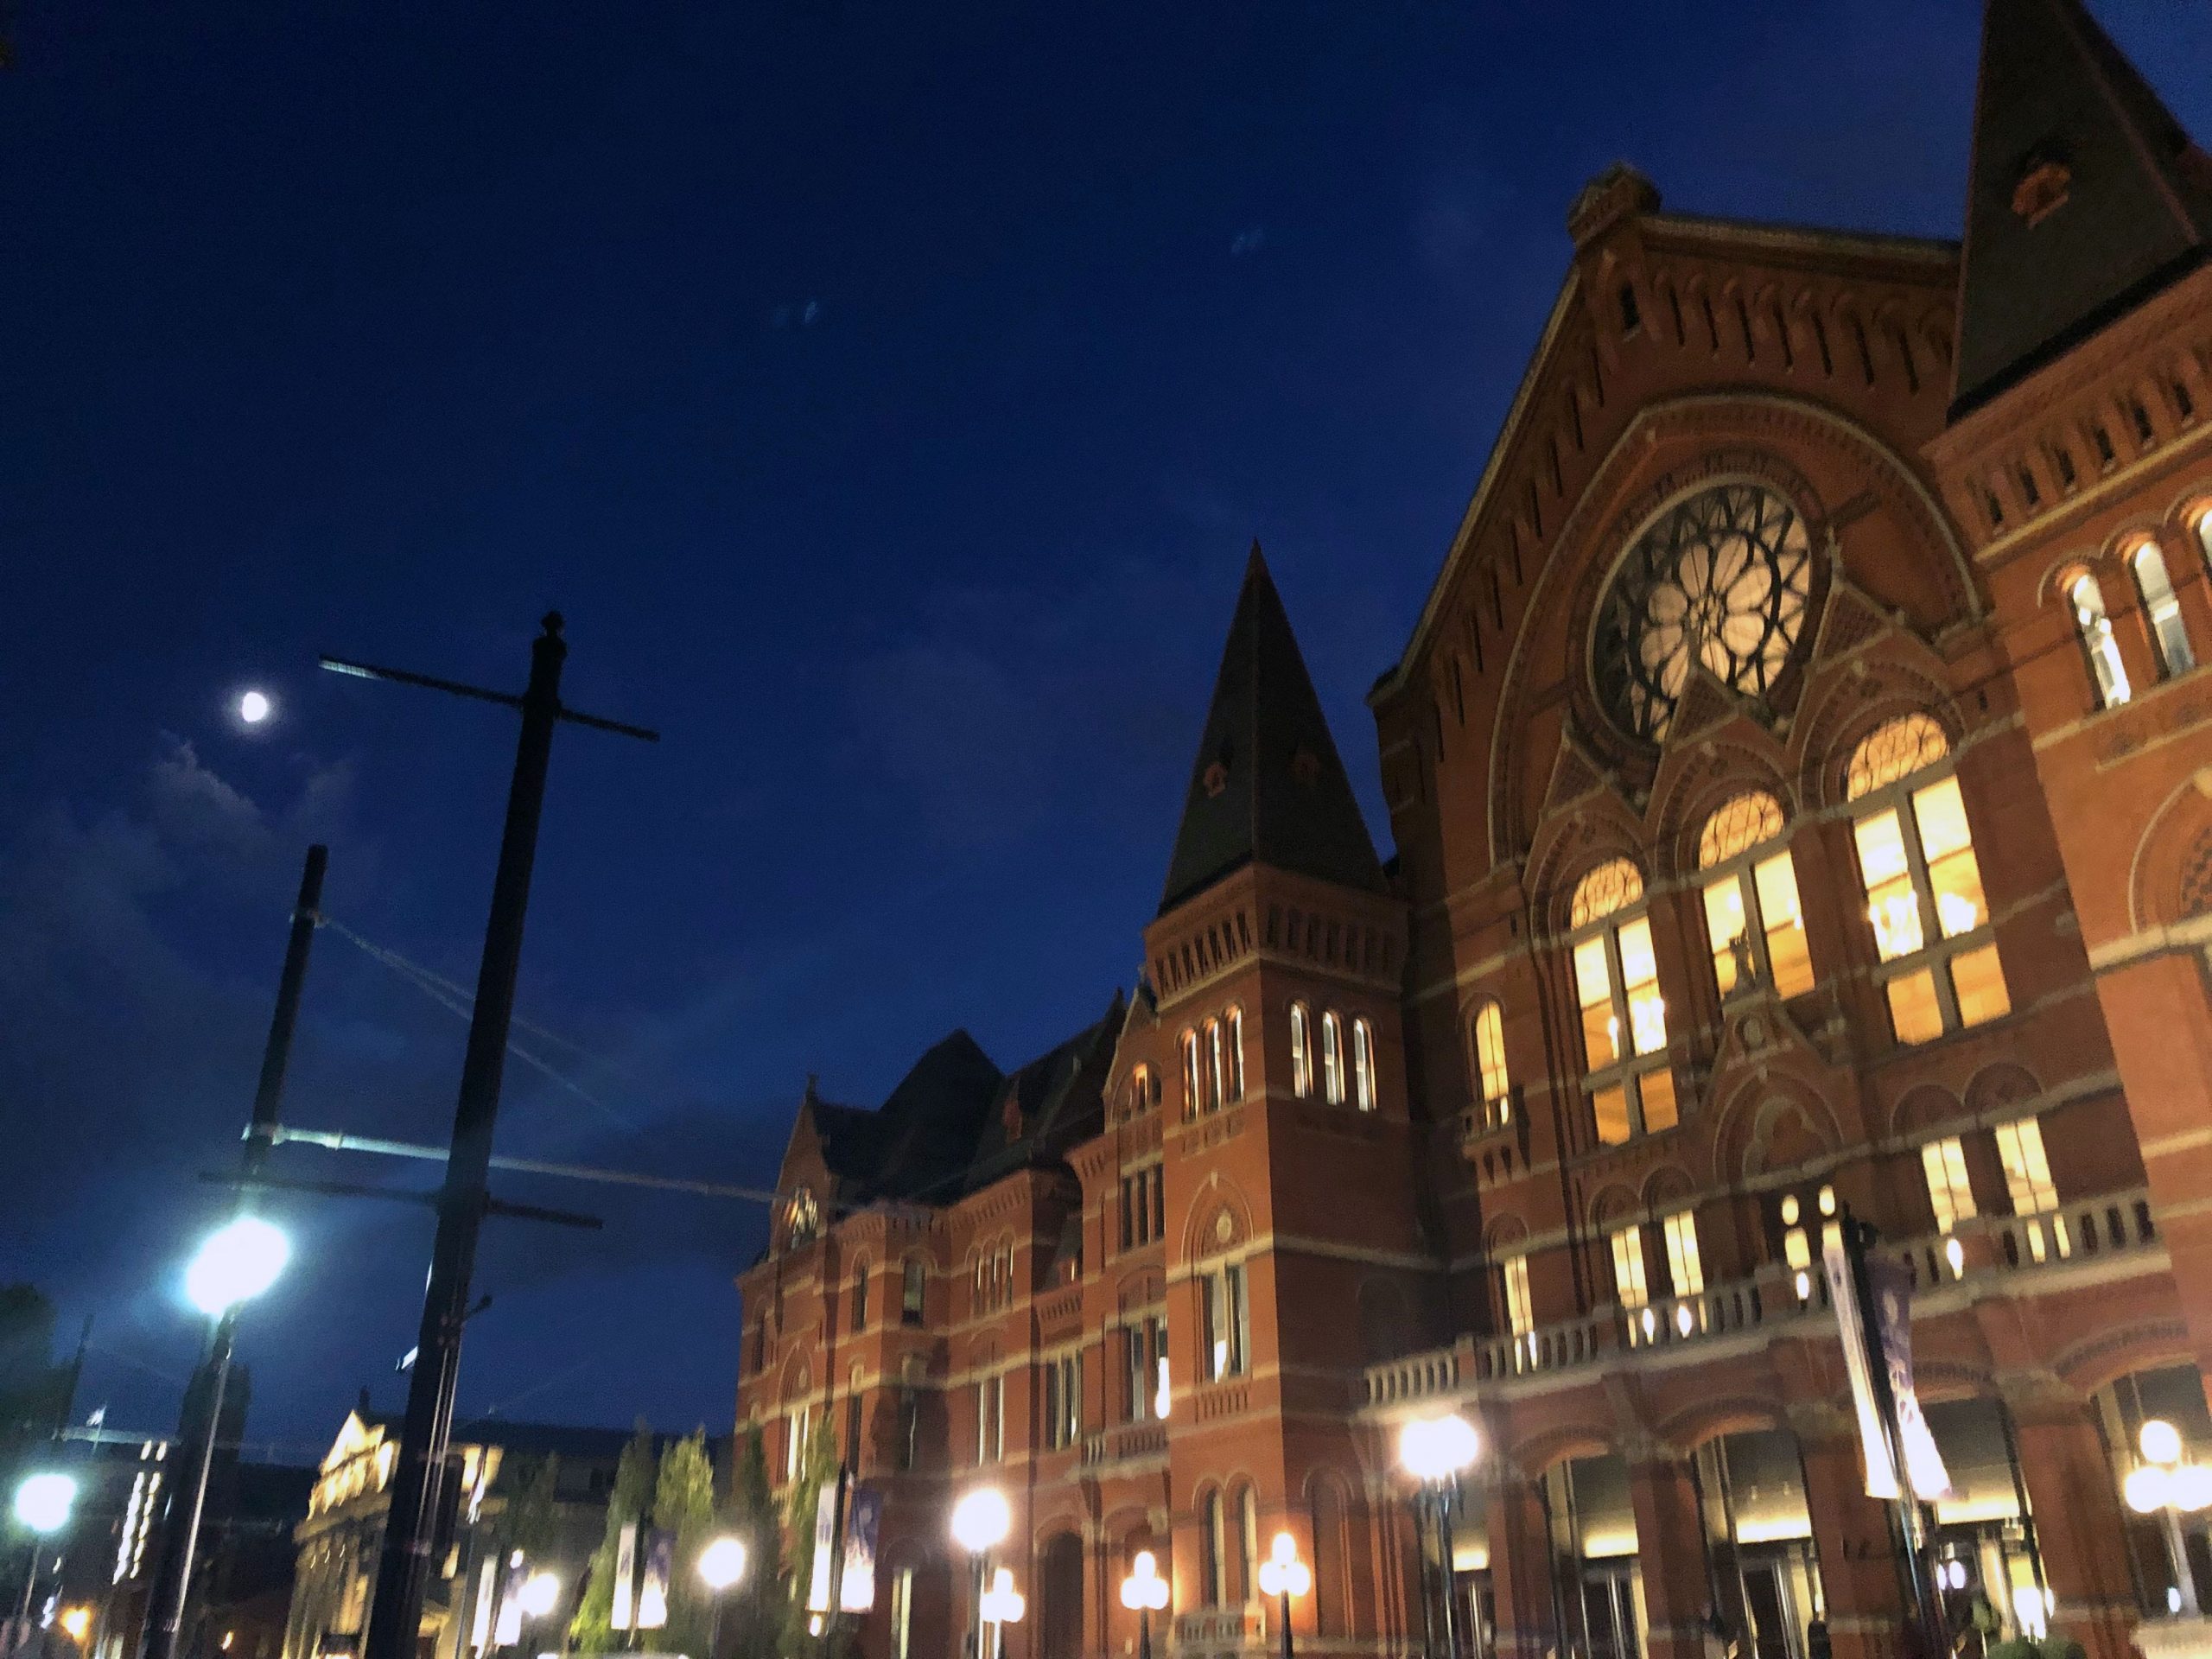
(887, 394)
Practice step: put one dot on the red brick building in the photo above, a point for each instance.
(1801, 807)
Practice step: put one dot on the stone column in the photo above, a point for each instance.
(1859, 1583)
(1670, 1556)
(2081, 1529)
(1519, 1568)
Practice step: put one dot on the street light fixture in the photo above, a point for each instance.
(1146, 1592)
(722, 1564)
(42, 1503)
(1436, 1451)
(1284, 1575)
(235, 1262)
(981, 1521)
(2164, 1484)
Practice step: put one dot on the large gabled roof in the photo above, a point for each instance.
(1267, 786)
(2084, 197)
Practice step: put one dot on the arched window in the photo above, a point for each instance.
(1217, 1067)
(1144, 1090)
(1631, 1087)
(1752, 919)
(1210, 1550)
(2203, 528)
(2164, 610)
(1326, 1504)
(1332, 1058)
(802, 1218)
(1363, 1065)
(1301, 1051)
(912, 1277)
(1232, 1026)
(859, 1294)
(1243, 1547)
(1917, 865)
(1495, 1081)
(1192, 1092)
(2095, 629)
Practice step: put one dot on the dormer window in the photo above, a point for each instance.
(802, 1218)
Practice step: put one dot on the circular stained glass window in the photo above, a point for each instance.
(1721, 580)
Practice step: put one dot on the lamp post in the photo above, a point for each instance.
(1436, 1451)
(1146, 1592)
(2165, 1484)
(1283, 1575)
(722, 1564)
(42, 1506)
(1001, 1606)
(981, 1521)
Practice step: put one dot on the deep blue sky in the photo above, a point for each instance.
(887, 393)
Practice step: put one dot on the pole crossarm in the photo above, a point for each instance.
(361, 671)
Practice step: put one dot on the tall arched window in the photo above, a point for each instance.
(1217, 1079)
(1363, 1065)
(1752, 919)
(1332, 1058)
(2164, 610)
(1243, 1547)
(1916, 862)
(1232, 1037)
(1492, 1076)
(2095, 629)
(912, 1277)
(859, 1294)
(1325, 1502)
(1210, 1550)
(1301, 1051)
(1193, 1091)
(1631, 1087)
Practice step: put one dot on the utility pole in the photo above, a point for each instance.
(172, 1585)
(417, 1480)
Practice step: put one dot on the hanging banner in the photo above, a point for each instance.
(1891, 1282)
(653, 1583)
(825, 1548)
(626, 1576)
(863, 1522)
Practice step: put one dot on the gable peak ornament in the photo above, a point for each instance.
(1214, 779)
(2044, 181)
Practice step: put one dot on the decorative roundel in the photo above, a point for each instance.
(1720, 580)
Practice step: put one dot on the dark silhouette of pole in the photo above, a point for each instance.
(172, 1587)
(417, 1481)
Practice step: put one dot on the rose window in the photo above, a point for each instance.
(1720, 581)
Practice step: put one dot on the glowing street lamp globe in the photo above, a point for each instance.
(722, 1564)
(1144, 1587)
(981, 1520)
(238, 1262)
(1283, 1573)
(2160, 1441)
(541, 1593)
(1002, 1603)
(1438, 1448)
(43, 1502)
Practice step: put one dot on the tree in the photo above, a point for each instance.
(753, 1611)
(818, 1466)
(683, 1504)
(593, 1629)
(530, 1522)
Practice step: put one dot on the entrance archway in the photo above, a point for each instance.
(1060, 1583)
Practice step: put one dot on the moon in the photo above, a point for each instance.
(254, 707)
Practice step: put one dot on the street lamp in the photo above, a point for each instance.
(42, 1503)
(2166, 1484)
(722, 1564)
(1284, 1575)
(1146, 1592)
(1435, 1451)
(235, 1263)
(1001, 1606)
(539, 1595)
(981, 1521)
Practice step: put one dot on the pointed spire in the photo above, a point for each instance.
(2085, 195)
(1267, 786)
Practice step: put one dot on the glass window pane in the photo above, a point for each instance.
(1656, 1090)
(1890, 903)
(1628, 1269)
(1610, 1106)
(1647, 1009)
(1978, 982)
(1787, 953)
(1593, 984)
(1947, 844)
(2027, 1169)
(1942, 814)
(1949, 1193)
(1724, 926)
(1519, 1312)
(1489, 1053)
(1682, 1262)
(1915, 1014)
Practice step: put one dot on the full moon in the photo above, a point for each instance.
(253, 708)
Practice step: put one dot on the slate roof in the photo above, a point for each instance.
(1267, 786)
(2057, 100)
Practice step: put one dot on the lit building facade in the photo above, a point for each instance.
(1801, 809)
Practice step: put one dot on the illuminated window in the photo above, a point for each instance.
(1224, 1322)
(2027, 1178)
(1363, 1065)
(1683, 1264)
(1753, 918)
(2095, 629)
(1145, 1354)
(802, 1218)
(1623, 1017)
(990, 1419)
(1489, 1062)
(859, 1294)
(1917, 865)
(1193, 1089)
(2204, 534)
(2162, 608)
(1520, 1312)
(1949, 1193)
(902, 1613)
(1232, 1026)
(1062, 1400)
(795, 1428)
(910, 1280)
(1210, 1550)
(1332, 1058)
(1629, 1286)
(1301, 1051)
(1216, 1066)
